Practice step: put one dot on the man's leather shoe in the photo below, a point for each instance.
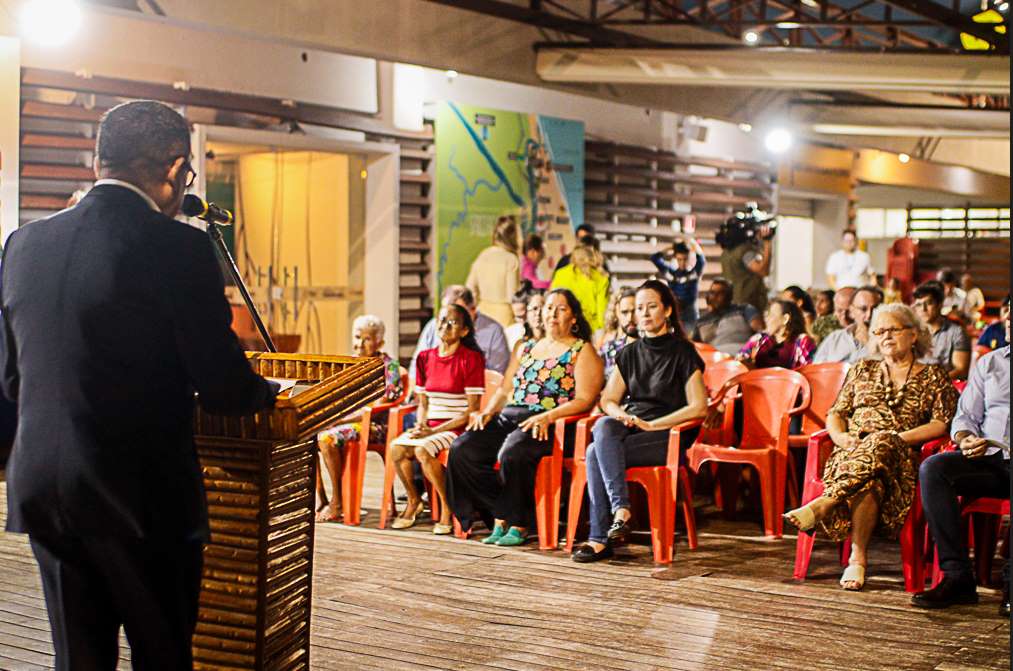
(949, 592)
(586, 554)
(1004, 604)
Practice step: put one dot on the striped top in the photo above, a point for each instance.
(448, 380)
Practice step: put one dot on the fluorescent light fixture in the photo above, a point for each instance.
(810, 3)
(788, 25)
(903, 158)
(778, 140)
(745, 127)
(751, 37)
(451, 74)
(50, 23)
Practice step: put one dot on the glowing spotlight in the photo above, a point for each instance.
(903, 158)
(811, 3)
(751, 37)
(1002, 6)
(778, 141)
(50, 22)
(451, 74)
(745, 127)
(788, 25)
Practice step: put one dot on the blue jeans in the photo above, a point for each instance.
(613, 449)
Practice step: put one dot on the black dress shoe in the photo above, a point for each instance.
(620, 530)
(1004, 604)
(586, 554)
(949, 592)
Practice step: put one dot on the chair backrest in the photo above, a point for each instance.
(703, 348)
(769, 395)
(493, 380)
(716, 374)
(825, 382)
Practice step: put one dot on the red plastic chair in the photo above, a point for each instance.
(769, 396)
(715, 375)
(661, 483)
(825, 382)
(354, 471)
(912, 534)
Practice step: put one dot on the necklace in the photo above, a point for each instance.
(895, 397)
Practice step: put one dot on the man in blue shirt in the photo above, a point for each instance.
(682, 267)
(994, 336)
(979, 468)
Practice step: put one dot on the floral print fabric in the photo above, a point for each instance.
(545, 384)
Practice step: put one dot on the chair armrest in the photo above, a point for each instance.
(818, 443)
(674, 438)
(582, 439)
(395, 420)
(559, 432)
(937, 445)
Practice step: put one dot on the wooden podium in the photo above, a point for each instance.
(259, 472)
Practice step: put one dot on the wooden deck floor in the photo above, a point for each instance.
(408, 600)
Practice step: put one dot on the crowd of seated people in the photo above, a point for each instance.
(638, 367)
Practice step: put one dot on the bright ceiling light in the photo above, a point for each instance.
(745, 127)
(451, 74)
(903, 158)
(810, 3)
(788, 25)
(751, 37)
(1002, 6)
(50, 22)
(778, 141)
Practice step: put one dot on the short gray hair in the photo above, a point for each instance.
(370, 323)
(907, 317)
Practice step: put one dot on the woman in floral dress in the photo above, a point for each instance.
(548, 379)
(890, 404)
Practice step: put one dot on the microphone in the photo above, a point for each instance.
(195, 206)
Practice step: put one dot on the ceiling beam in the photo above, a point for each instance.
(542, 19)
(955, 21)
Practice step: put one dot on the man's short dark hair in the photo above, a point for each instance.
(849, 231)
(584, 228)
(142, 136)
(458, 292)
(681, 248)
(723, 281)
(930, 289)
(947, 276)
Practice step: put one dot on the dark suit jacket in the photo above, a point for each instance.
(115, 315)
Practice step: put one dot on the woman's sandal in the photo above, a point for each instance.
(803, 519)
(326, 515)
(854, 573)
(406, 521)
(440, 529)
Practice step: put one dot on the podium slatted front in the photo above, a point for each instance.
(259, 473)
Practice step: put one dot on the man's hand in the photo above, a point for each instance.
(972, 447)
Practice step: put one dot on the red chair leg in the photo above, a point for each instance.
(986, 537)
(577, 486)
(912, 555)
(351, 481)
(844, 549)
(769, 491)
(803, 553)
(662, 513)
(688, 514)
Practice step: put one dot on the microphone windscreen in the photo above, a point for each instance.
(193, 205)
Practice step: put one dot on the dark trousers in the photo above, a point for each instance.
(474, 484)
(93, 586)
(943, 478)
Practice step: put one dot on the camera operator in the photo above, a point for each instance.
(746, 241)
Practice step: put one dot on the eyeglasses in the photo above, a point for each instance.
(892, 330)
(452, 323)
(191, 174)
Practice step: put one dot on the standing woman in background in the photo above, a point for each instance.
(493, 277)
(586, 278)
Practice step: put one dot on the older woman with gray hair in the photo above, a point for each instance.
(889, 404)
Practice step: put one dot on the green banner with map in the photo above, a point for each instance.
(490, 163)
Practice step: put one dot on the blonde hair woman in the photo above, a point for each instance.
(494, 275)
(587, 279)
(889, 405)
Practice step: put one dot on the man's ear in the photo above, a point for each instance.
(173, 172)
(95, 166)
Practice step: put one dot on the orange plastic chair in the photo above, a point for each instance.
(715, 375)
(661, 483)
(769, 396)
(825, 382)
(354, 472)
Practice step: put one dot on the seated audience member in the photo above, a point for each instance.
(974, 300)
(682, 267)
(725, 325)
(488, 332)
(804, 301)
(890, 404)
(953, 295)
(533, 254)
(951, 347)
(979, 468)
(449, 382)
(623, 332)
(849, 343)
(824, 303)
(783, 343)
(585, 278)
(994, 336)
(893, 293)
(367, 339)
(548, 379)
(838, 317)
(657, 383)
(519, 304)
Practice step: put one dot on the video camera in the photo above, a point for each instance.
(745, 227)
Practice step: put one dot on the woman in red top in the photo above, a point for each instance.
(449, 381)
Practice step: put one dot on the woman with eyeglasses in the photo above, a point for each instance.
(449, 383)
(889, 405)
(550, 378)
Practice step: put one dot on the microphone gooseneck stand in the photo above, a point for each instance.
(216, 234)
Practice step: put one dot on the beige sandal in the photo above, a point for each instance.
(804, 519)
(442, 529)
(854, 573)
(404, 520)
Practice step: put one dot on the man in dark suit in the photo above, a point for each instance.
(115, 315)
